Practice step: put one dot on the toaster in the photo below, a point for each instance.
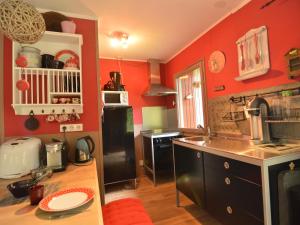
(19, 156)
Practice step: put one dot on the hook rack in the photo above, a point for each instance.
(242, 99)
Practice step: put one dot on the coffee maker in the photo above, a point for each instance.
(258, 109)
(55, 155)
(115, 83)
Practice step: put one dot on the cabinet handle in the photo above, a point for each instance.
(198, 155)
(227, 181)
(226, 165)
(229, 210)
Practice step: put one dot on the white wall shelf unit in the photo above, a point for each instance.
(49, 86)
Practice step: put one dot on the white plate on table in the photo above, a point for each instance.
(67, 199)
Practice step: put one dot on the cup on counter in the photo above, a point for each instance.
(36, 194)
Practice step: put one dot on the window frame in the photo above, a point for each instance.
(200, 64)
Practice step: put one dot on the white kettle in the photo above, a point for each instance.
(19, 156)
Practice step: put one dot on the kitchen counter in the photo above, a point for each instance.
(262, 157)
(19, 211)
(242, 150)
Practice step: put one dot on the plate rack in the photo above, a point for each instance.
(51, 91)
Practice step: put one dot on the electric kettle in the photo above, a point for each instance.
(85, 146)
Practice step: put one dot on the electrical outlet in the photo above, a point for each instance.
(141, 162)
(71, 127)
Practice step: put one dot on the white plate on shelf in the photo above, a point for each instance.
(66, 199)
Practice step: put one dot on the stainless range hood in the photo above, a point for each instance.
(155, 87)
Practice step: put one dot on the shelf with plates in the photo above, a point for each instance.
(48, 90)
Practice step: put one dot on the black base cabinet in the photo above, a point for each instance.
(233, 191)
(189, 173)
(230, 190)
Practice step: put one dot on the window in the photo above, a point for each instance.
(190, 99)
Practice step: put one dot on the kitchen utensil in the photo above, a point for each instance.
(50, 118)
(246, 55)
(47, 60)
(36, 194)
(62, 100)
(32, 123)
(32, 56)
(68, 27)
(69, 58)
(19, 156)
(116, 79)
(20, 189)
(22, 85)
(75, 100)
(242, 55)
(56, 155)
(67, 199)
(257, 55)
(54, 100)
(21, 61)
(258, 109)
(85, 146)
(56, 64)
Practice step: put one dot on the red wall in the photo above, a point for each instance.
(135, 78)
(282, 20)
(14, 125)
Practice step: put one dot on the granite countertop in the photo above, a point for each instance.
(242, 150)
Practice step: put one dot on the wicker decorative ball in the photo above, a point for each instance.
(21, 21)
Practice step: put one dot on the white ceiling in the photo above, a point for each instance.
(159, 28)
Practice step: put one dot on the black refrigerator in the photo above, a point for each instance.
(118, 144)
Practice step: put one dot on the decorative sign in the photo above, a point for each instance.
(216, 62)
(253, 54)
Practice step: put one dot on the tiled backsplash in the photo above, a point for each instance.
(219, 107)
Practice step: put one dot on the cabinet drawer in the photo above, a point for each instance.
(247, 196)
(236, 216)
(223, 187)
(244, 170)
(230, 214)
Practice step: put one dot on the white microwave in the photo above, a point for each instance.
(115, 98)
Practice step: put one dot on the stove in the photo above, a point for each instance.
(156, 133)
(158, 152)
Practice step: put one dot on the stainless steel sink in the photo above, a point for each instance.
(196, 138)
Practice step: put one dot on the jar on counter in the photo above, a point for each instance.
(32, 56)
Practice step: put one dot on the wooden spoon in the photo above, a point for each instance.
(242, 54)
(257, 55)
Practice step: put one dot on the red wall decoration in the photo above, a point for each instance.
(14, 125)
(282, 20)
(136, 80)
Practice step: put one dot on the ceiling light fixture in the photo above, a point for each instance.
(119, 39)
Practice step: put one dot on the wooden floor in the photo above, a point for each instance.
(159, 202)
